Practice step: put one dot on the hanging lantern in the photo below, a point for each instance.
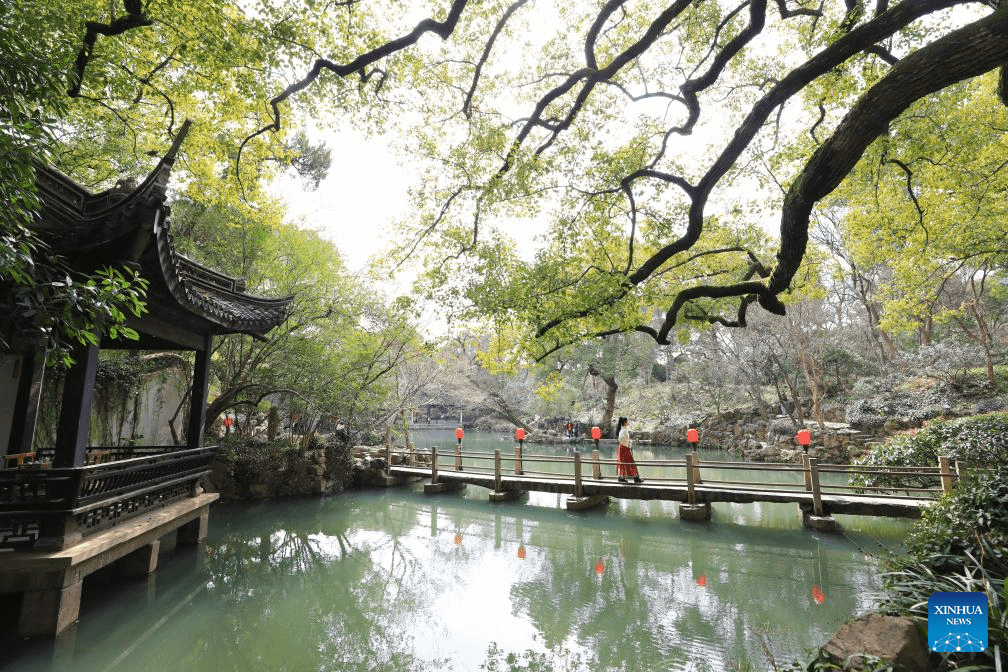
(693, 436)
(458, 538)
(804, 438)
(521, 552)
(702, 580)
(600, 568)
(817, 594)
(596, 433)
(520, 434)
(459, 433)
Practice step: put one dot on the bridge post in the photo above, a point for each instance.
(813, 465)
(458, 457)
(696, 465)
(497, 470)
(945, 467)
(388, 458)
(689, 480)
(518, 460)
(499, 495)
(816, 519)
(577, 474)
(808, 472)
(578, 501)
(596, 465)
(690, 510)
(436, 486)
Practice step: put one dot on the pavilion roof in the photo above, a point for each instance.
(131, 226)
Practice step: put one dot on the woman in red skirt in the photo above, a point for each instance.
(626, 467)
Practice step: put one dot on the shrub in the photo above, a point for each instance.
(979, 440)
(248, 459)
(959, 544)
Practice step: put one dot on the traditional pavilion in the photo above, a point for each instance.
(62, 507)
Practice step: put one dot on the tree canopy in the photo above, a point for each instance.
(673, 156)
(640, 135)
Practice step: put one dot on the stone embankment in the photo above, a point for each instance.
(322, 471)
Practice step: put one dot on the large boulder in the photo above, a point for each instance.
(894, 639)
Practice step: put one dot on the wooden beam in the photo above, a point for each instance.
(166, 334)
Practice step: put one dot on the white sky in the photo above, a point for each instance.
(356, 205)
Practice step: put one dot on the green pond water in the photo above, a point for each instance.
(398, 580)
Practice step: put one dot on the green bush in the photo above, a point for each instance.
(979, 440)
(960, 544)
(247, 459)
(970, 521)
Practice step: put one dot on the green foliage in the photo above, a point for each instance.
(975, 441)
(43, 301)
(972, 521)
(960, 544)
(247, 460)
(823, 663)
(927, 202)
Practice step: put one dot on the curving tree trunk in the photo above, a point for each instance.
(610, 396)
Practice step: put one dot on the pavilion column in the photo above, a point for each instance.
(200, 391)
(75, 411)
(26, 403)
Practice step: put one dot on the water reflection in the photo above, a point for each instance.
(396, 580)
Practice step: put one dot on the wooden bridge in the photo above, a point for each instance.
(820, 490)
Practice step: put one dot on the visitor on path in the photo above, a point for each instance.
(626, 467)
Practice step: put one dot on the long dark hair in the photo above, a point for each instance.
(619, 423)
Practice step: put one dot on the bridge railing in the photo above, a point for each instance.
(787, 477)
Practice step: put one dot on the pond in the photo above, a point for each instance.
(398, 580)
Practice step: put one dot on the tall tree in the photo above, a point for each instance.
(636, 131)
(337, 353)
(929, 202)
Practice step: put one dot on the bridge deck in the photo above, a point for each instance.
(670, 490)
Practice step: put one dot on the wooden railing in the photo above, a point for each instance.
(798, 479)
(35, 488)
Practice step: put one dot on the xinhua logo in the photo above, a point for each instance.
(957, 621)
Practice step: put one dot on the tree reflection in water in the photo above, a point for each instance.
(297, 597)
(386, 582)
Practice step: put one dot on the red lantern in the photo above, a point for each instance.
(692, 435)
(520, 434)
(702, 580)
(459, 433)
(596, 433)
(804, 438)
(458, 538)
(521, 552)
(600, 568)
(817, 595)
